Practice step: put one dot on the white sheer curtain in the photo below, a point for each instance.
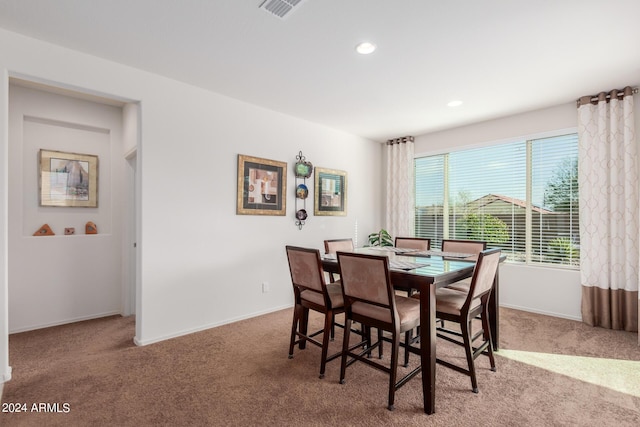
(399, 218)
(609, 225)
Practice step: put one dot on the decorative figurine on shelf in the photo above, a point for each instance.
(69, 231)
(91, 228)
(45, 230)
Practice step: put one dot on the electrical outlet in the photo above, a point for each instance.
(265, 287)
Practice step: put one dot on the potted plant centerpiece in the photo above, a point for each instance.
(380, 238)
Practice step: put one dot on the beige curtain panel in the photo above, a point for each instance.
(609, 225)
(399, 217)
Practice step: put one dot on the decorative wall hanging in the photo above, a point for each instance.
(302, 170)
(330, 192)
(261, 186)
(68, 179)
(302, 191)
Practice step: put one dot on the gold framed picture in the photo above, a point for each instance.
(262, 186)
(67, 179)
(330, 192)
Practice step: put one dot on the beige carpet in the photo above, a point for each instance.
(551, 372)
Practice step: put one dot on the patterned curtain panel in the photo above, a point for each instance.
(609, 232)
(399, 218)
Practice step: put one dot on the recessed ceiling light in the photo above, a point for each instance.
(455, 103)
(365, 48)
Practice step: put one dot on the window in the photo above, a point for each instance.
(521, 197)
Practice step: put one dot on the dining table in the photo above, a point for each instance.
(425, 272)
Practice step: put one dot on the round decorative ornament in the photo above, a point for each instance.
(303, 169)
(302, 191)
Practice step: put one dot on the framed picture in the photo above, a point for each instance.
(262, 186)
(68, 179)
(331, 192)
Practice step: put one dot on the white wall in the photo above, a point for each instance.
(131, 136)
(197, 253)
(499, 130)
(5, 369)
(201, 265)
(59, 279)
(555, 292)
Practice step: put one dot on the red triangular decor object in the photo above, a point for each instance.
(45, 230)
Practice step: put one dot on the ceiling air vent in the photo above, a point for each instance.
(280, 8)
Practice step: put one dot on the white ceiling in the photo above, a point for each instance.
(500, 57)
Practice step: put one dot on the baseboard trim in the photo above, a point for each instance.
(139, 342)
(7, 375)
(5, 378)
(543, 312)
(64, 322)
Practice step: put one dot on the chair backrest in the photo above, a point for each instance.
(305, 266)
(335, 245)
(366, 285)
(413, 243)
(473, 247)
(484, 273)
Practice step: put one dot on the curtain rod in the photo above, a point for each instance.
(402, 140)
(592, 99)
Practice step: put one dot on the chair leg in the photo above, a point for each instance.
(333, 327)
(328, 325)
(303, 325)
(345, 348)
(368, 335)
(466, 335)
(407, 340)
(380, 341)
(394, 369)
(294, 328)
(487, 337)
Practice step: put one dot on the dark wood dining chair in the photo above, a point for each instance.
(370, 299)
(334, 245)
(462, 307)
(418, 243)
(471, 247)
(312, 293)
